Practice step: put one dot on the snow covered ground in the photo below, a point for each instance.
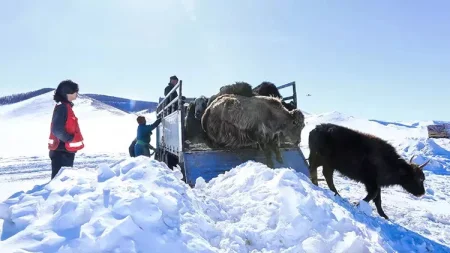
(112, 203)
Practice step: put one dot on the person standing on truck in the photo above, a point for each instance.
(142, 146)
(65, 136)
(173, 81)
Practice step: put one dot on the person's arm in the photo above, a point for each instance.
(154, 125)
(59, 123)
(166, 90)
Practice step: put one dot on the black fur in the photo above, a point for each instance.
(238, 88)
(364, 158)
(267, 89)
(193, 127)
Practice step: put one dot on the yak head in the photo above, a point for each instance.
(200, 104)
(413, 178)
(295, 125)
(289, 106)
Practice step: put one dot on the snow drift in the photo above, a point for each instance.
(139, 205)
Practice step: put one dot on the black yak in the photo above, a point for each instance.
(238, 88)
(235, 121)
(269, 89)
(200, 104)
(192, 123)
(364, 158)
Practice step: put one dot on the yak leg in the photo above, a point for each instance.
(372, 192)
(377, 201)
(274, 147)
(328, 174)
(313, 165)
(268, 154)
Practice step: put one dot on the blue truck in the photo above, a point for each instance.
(201, 161)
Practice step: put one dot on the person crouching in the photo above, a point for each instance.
(65, 136)
(142, 146)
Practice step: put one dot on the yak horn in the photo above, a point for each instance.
(424, 164)
(410, 160)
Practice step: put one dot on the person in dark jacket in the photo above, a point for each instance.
(65, 135)
(173, 81)
(142, 146)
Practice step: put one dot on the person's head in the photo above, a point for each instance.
(67, 91)
(141, 120)
(173, 80)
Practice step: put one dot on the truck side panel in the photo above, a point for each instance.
(209, 164)
(168, 133)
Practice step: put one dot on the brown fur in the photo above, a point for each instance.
(236, 121)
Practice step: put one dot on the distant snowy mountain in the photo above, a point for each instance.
(15, 98)
(124, 104)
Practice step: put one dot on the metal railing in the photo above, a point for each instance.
(165, 110)
(170, 105)
(294, 92)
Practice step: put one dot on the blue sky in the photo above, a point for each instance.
(380, 59)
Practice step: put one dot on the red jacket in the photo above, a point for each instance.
(71, 129)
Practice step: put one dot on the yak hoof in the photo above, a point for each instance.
(270, 164)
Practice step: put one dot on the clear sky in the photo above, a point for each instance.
(385, 59)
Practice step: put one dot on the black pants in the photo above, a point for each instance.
(60, 159)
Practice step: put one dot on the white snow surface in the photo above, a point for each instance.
(109, 202)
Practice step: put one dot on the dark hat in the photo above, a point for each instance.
(174, 78)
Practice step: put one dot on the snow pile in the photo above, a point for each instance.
(139, 205)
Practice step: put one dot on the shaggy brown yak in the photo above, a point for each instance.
(235, 121)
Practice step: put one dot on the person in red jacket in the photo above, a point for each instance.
(65, 136)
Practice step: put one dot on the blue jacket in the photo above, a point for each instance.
(144, 131)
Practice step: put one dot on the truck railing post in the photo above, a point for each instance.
(163, 109)
(180, 123)
(294, 92)
(166, 97)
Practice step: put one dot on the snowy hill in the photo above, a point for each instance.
(112, 203)
(15, 98)
(25, 126)
(124, 104)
